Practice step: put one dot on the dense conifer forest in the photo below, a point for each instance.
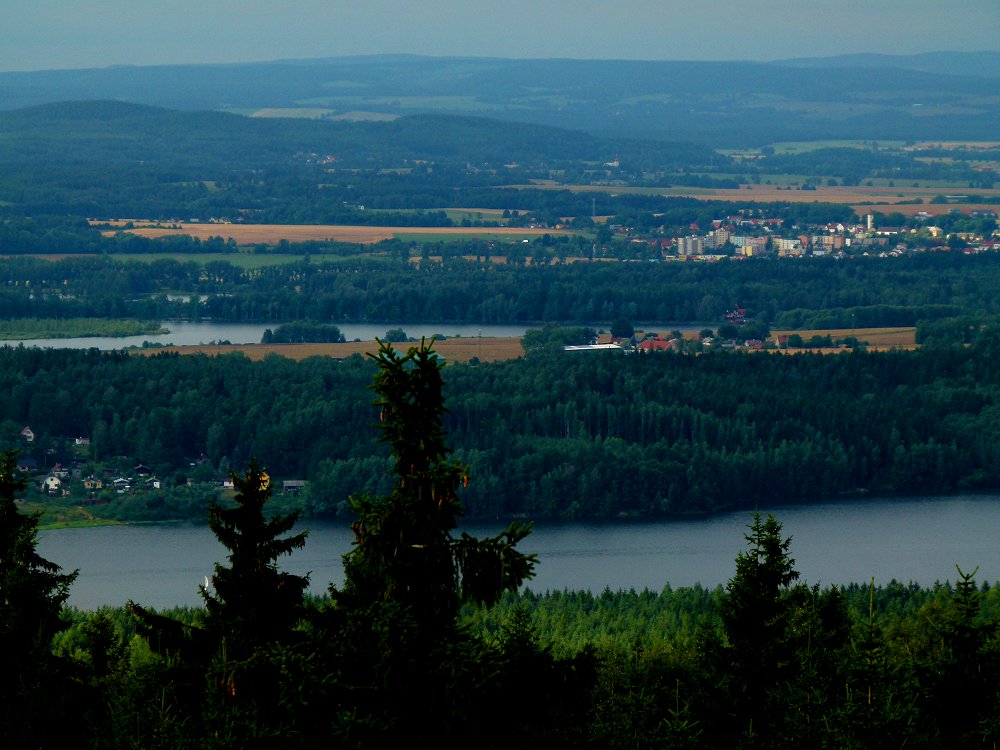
(428, 642)
(552, 435)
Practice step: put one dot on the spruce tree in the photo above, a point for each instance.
(405, 553)
(409, 668)
(756, 614)
(250, 602)
(32, 594)
(251, 611)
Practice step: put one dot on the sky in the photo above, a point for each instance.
(53, 34)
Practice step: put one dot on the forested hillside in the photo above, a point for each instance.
(114, 133)
(553, 435)
(112, 159)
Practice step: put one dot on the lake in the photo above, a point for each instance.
(918, 539)
(189, 333)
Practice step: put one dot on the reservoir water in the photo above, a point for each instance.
(189, 333)
(914, 539)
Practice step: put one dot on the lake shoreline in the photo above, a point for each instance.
(917, 539)
(620, 520)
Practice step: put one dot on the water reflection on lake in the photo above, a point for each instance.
(918, 539)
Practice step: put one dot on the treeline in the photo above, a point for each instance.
(472, 292)
(878, 290)
(570, 620)
(70, 235)
(871, 316)
(586, 435)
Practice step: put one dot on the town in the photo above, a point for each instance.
(752, 233)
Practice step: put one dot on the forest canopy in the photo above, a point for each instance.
(684, 434)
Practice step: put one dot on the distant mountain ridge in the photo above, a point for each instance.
(716, 103)
(946, 63)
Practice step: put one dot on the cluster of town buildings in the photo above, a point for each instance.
(749, 237)
(78, 478)
(56, 479)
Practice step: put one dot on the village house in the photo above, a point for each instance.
(658, 345)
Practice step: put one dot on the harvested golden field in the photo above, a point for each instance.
(909, 209)
(881, 198)
(453, 350)
(878, 339)
(855, 196)
(250, 234)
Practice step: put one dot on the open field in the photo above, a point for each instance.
(909, 209)
(801, 147)
(242, 260)
(881, 197)
(453, 350)
(250, 234)
(309, 113)
(878, 339)
(851, 195)
(497, 234)
(614, 190)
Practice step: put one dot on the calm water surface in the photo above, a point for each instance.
(919, 539)
(188, 333)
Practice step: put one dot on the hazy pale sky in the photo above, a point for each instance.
(47, 34)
